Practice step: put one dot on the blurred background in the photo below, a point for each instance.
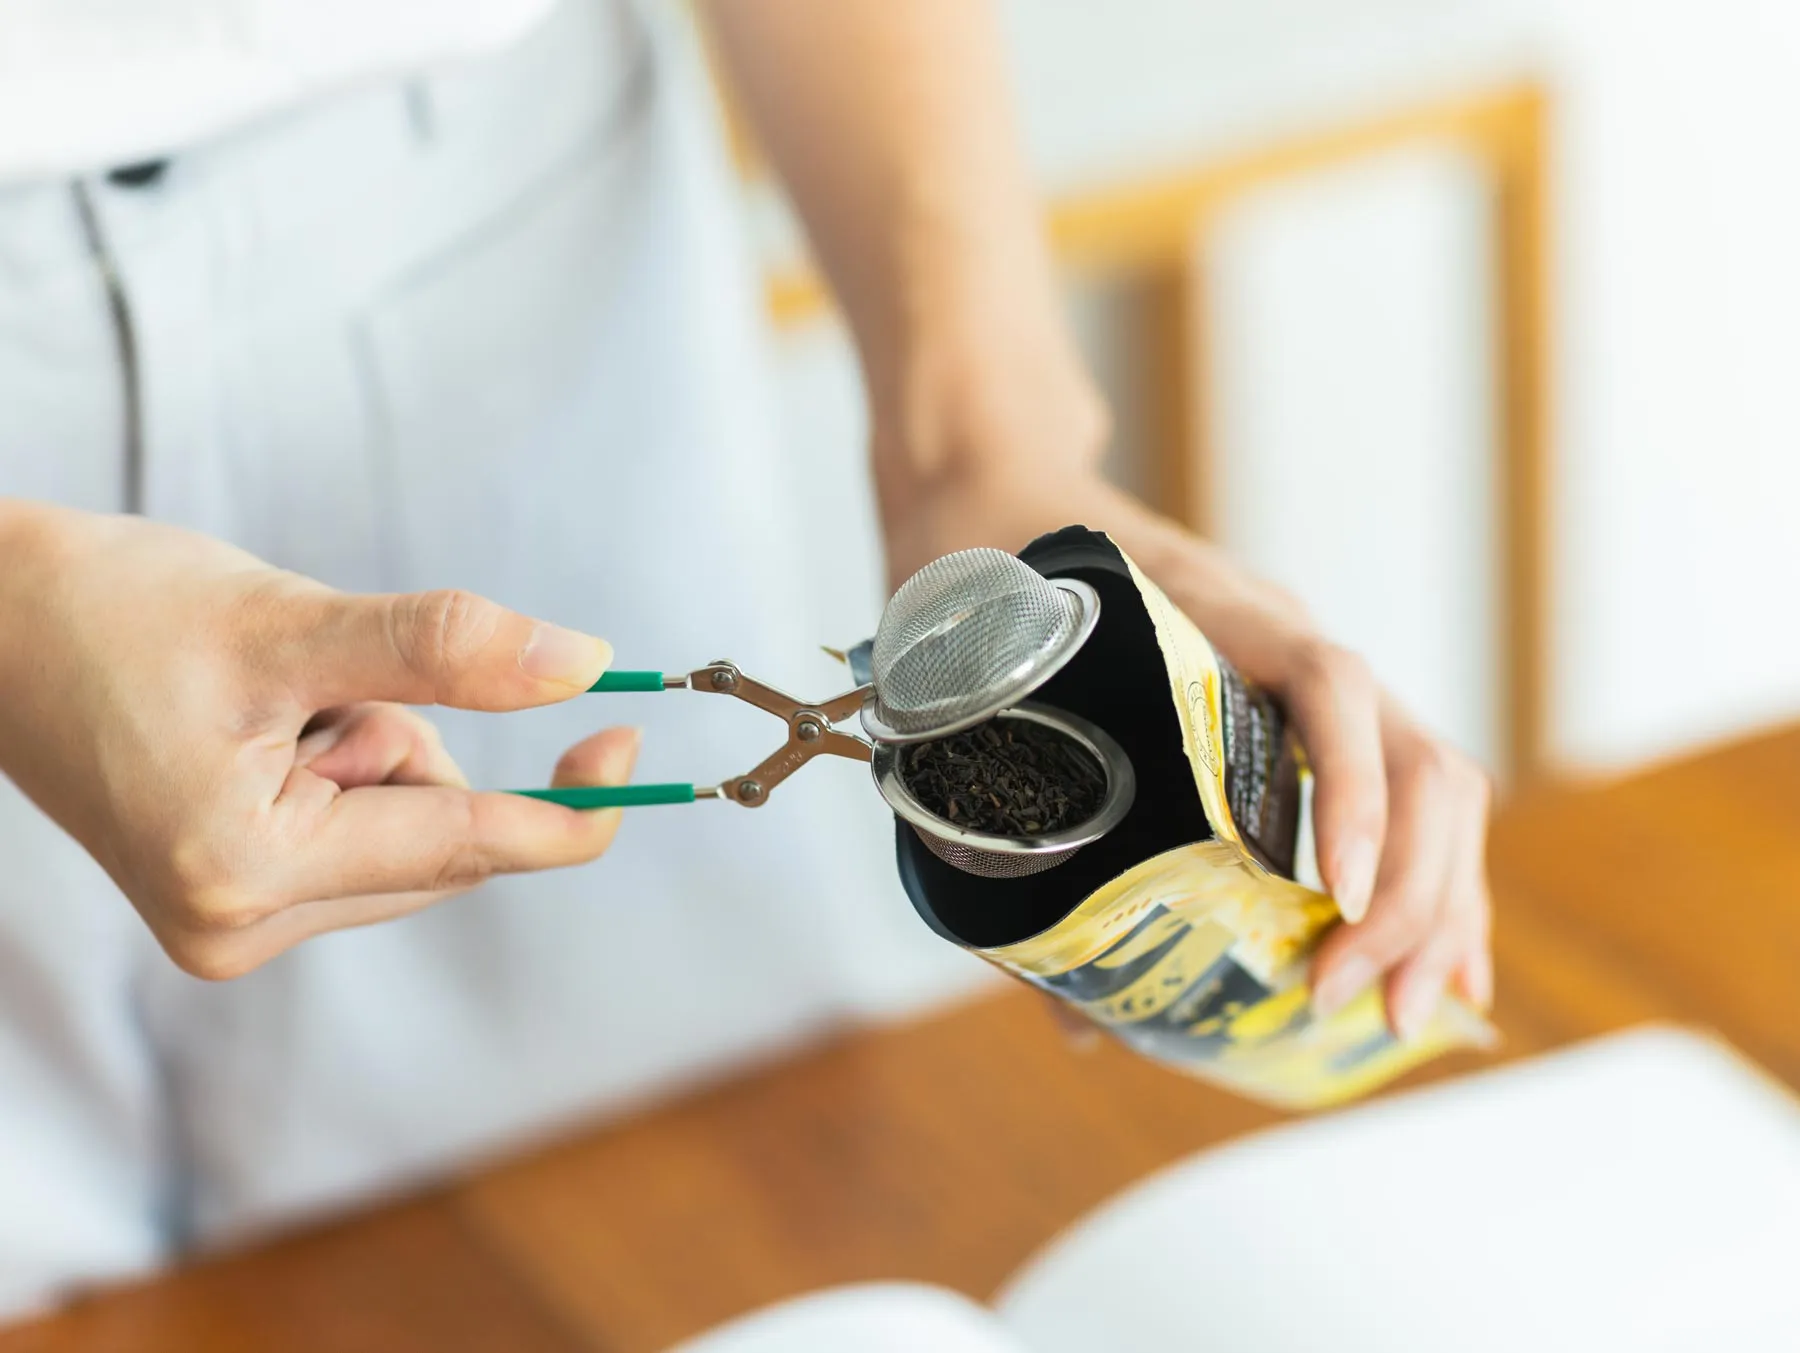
(1471, 321)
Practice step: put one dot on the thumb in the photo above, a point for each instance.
(437, 648)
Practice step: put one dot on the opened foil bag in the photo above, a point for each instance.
(1187, 931)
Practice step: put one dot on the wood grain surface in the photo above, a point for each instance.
(949, 1150)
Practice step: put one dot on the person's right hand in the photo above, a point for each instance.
(216, 733)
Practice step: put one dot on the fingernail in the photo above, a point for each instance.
(1414, 1005)
(556, 654)
(1342, 985)
(1354, 880)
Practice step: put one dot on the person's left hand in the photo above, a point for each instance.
(1400, 817)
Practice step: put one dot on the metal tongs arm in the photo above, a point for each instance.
(810, 730)
(811, 733)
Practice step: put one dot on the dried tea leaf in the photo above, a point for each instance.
(1006, 777)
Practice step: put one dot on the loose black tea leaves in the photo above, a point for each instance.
(1006, 777)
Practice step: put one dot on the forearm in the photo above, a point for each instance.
(891, 126)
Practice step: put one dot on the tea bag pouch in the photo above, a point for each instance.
(1186, 927)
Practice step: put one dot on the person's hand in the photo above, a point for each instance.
(1399, 816)
(217, 734)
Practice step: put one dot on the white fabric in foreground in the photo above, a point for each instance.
(871, 1318)
(1639, 1194)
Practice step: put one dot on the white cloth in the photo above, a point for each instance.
(495, 330)
(91, 83)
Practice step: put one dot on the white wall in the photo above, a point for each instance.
(1349, 323)
(1679, 210)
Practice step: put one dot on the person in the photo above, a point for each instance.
(443, 318)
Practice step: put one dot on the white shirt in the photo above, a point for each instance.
(501, 331)
(91, 84)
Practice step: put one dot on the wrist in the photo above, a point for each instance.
(993, 501)
(979, 418)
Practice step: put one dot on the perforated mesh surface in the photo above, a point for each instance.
(992, 864)
(964, 633)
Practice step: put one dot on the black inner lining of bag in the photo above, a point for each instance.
(1119, 682)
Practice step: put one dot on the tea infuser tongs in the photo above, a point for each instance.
(967, 637)
(812, 732)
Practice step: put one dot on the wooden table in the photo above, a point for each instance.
(949, 1150)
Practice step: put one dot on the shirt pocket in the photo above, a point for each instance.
(481, 358)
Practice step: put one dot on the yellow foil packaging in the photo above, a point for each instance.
(1187, 931)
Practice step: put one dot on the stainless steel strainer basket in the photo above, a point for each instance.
(991, 856)
(967, 636)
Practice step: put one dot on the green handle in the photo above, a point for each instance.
(612, 796)
(617, 796)
(628, 681)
